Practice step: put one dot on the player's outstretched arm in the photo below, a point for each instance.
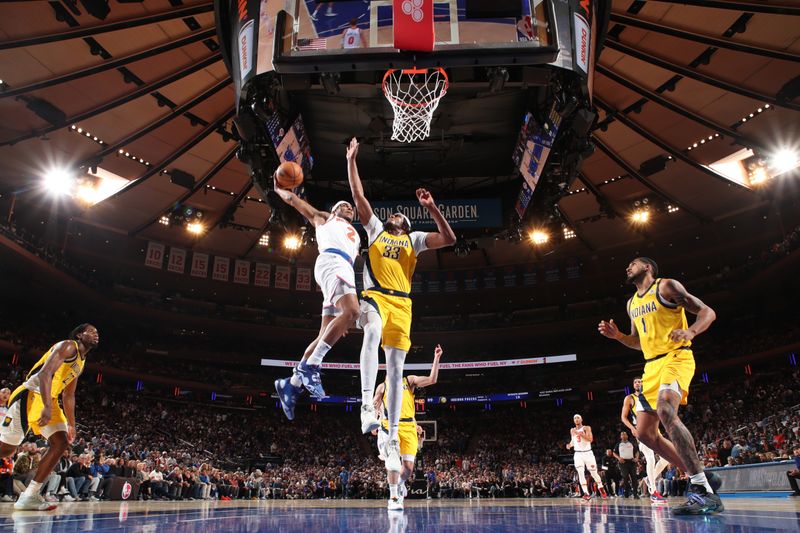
(675, 292)
(433, 377)
(609, 329)
(314, 216)
(363, 209)
(444, 235)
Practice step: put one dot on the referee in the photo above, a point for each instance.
(627, 455)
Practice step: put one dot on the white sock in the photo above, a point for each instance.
(701, 479)
(369, 357)
(319, 353)
(394, 388)
(393, 488)
(33, 488)
(295, 380)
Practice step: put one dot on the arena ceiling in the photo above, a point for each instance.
(146, 91)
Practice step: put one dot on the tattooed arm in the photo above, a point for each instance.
(672, 291)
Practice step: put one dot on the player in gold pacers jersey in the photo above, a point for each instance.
(34, 405)
(660, 330)
(408, 435)
(386, 303)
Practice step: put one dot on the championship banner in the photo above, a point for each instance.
(467, 213)
(503, 363)
(302, 281)
(241, 272)
(222, 267)
(510, 277)
(199, 265)
(177, 260)
(155, 255)
(263, 273)
(282, 275)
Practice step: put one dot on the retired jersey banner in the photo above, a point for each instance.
(222, 266)
(241, 272)
(263, 274)
(282, 274)
(302, 281)
(177, 260)
(199, 265)
(155, 255)
(478, 213)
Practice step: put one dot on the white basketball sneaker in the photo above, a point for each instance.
(369, 422)
(393, 463)
(32, 503)
(395, 504)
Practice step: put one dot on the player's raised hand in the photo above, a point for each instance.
(424, 197)
(677, 335)
(437, 352)
(352, 148)
(608, 329)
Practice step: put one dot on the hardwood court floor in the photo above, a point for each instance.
(370, 516)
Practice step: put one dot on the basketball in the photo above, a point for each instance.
(289, 175)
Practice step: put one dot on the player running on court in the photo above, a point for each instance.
(386, 303)
(630, 406)
(580, 442)
(34, 405)
(660, 330)
(407, 434)
(338, 244)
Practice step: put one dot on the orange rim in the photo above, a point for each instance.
(413, 71)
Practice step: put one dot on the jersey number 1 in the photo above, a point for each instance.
(644, 326)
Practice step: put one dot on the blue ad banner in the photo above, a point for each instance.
(478, 213)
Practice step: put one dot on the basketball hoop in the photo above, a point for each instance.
(414, 95)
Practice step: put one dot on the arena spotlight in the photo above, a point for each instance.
(164, 220)
(87, 194)
(641, 216)
(195, 228)
(264, 240)
(58, 181)
(292, 242)
(784, 160)
(539, 237)
(569, 233)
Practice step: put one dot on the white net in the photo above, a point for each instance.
(414, 95)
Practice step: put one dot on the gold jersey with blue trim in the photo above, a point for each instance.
(65, 374)
(407, 409)
(655, 318)
(391, 259)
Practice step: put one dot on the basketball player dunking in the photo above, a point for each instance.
(408, 430)
(338, 244)
(386, 302)
(34, 405)
(660, 330)
(630, 406)
(580, 442)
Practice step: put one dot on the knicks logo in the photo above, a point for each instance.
(126, 490)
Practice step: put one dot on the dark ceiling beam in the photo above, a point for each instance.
(646, 182)
(178, 111)
(229, 207)
(574, 228)
(728, 44)
(766, 6)
(677, 108)
(674, 152)
(116, 63)
(602, 199)
(93, 31)
(693, 74)
(188, 194)
(157, 168)
(140, 91)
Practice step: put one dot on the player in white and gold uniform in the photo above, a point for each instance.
(34, 406)
(386, 301)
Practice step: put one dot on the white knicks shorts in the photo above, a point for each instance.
(336, 277)
(585, 460)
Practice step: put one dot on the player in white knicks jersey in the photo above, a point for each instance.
(351, 37)
(630, 407)
(581, 443)
(338, 244)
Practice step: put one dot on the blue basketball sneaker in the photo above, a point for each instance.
(287, 394)
(312, 381)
